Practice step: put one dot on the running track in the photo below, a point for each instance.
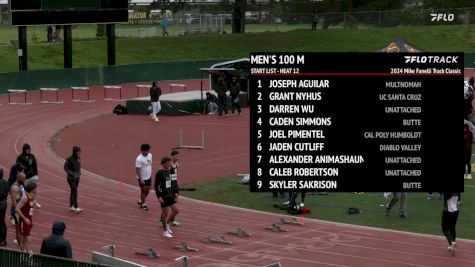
(111, 215)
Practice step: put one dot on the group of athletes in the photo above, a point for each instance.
(22, 187)
(23, 182)
(166, 185)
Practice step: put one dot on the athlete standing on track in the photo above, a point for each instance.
(20, 166)
(175, 155)
(164, 191)
(72, 167)
(25, 212)
(221, 89)
(143, 168)
(32, 169)
(16, 193)
(3, 209)
(450, 215)
(155, 93)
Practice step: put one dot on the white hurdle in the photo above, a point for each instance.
(192, 146)
(184, 260)
(140, 86)
(43, 100)
(89, 100)
(14, 92)
(172, 85)
(113, 87)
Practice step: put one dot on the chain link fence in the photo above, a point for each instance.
(143, 24)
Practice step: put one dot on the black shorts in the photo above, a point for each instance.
(146, 183)
(167, 202)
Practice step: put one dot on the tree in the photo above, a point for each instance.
(447, 3)
(173, 5)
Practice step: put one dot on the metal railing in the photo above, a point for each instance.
(13, 258)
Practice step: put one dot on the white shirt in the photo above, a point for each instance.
(145, 165)
(452, 204)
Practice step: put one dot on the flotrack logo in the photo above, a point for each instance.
(442, 17)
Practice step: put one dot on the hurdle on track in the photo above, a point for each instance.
(43, 92)
(87, 89)
(113, 87)
(15, 92)
(184, 260)
(111, 249)
(201, 146)
(108, 260)
(139, 86)
(173, 85)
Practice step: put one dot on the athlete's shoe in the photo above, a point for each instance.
(452, 249)
(167, 234)
(144, 207)
(302, 205)
(176, 223)
(168, 229)
(72, 209)
(78, 210)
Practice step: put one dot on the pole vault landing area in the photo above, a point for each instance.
(180, 103)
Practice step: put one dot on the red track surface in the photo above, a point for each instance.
(112, 217)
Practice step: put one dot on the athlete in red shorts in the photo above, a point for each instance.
(25, 210)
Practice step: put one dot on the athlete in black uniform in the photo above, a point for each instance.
(165, 195)
(175, 156)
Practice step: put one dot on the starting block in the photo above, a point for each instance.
(150, 253)
(276, 228)
(219, 240)
(292, 221)
(184, 247)
(240, 232)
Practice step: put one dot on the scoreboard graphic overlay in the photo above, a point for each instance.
(356, 122)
